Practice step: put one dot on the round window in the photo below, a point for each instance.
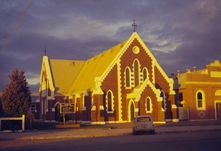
(136, 49)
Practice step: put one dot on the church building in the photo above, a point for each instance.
(200, 92)
(114, 86)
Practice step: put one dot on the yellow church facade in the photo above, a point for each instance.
(112, 87)
(200, 92)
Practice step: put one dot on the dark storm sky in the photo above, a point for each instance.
(180, 33)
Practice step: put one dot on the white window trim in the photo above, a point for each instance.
(146, 72)
(125, 81)
(163, 101)
(203, 100)
(139, 81)
(151, 105)
(112, 101)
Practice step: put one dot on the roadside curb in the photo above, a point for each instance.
(188, 131)
(108, 134)
(70, 137)
(98, 132)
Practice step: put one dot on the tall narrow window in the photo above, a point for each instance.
(109, 101)
(127, 77)
(148, 105)
(200, 100)
(144, 74)
(163, 95)
(136, 73)
(33, 108)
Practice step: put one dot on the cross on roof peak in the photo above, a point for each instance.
(134, 25)
(45, 52)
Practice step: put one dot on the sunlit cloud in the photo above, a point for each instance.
(83, 28)
(32, 78)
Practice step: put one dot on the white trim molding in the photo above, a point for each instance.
(150, 104)
(112, 102)
(203, 100)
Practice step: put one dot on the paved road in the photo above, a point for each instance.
(191, 141)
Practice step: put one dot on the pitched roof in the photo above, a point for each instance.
(95, 67)
(64, 72)
(79, 75)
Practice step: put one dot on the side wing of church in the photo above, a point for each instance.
(112, 87)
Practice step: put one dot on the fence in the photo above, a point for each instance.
(22, 118)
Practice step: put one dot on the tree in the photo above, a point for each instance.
(16, 97)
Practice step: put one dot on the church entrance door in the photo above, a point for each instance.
(57, 114)
(131, 112)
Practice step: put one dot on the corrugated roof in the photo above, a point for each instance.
(64, 72)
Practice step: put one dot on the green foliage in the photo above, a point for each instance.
(16, 97)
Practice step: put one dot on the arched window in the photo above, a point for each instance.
(136, 72)
(131, 111)
(148, 105)
(163, 95)
(145, 74)
(200, 100)
(218, 93)
(109, 101)
(127, 77)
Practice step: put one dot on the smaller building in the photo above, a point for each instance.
(35, 105)
(200, 92)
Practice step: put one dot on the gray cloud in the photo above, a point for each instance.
(181, 34)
